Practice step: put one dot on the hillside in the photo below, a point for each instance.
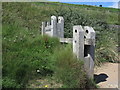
(25, 50)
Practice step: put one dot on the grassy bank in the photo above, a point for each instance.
(27, 55)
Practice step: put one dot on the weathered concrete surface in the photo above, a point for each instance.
(66, 40)
(78, 41)
(60, 27)
(89, 66)
(89, 50)
(55, 28)
(84, 46)
(43, 28)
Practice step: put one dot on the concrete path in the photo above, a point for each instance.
(106, 75)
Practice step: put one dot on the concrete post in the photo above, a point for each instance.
(60, 27)
(48, 23)
(78, 41)
(43, 28)
(53, 26)
(89, 50)
(84, 47)
(90, 36)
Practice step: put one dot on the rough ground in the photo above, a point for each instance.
(106, 76)
(44, 83)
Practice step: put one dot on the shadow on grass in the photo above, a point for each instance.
(100, 78)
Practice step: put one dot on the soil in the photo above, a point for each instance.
(106, 76)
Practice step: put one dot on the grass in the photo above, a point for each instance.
(21, 61)
(25, 51)
(67, 66)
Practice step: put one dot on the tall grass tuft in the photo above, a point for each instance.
(22, 59)
(68, 69)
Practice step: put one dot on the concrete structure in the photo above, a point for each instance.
(84, 47)
(83, 40)
(55, 29)
(78, 41)
(66, 40)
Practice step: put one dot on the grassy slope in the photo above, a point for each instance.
(21, 34)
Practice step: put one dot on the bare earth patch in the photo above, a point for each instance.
(106, 75)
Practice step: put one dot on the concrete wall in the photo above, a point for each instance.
(55, 29)
(83, 40)
(84, 46)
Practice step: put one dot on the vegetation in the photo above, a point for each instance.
(27, 55)
(67, 66)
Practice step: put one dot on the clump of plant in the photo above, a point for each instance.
(106, 47)
(23, 61)
(7, 82)
(68, 69)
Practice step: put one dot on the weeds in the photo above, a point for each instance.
(25, 51)
(68, 69)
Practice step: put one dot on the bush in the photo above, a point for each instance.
(106, 47)
(9, 83)
(68, 69)
(22, 59)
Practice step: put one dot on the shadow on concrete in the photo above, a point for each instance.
(100, 78)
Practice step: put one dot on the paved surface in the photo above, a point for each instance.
(106, 75)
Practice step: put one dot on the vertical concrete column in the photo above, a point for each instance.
(43, 28)
(48, 23)
(78, 41)
(53, 26)
(89, 50)
(90, 37)
(60, 27)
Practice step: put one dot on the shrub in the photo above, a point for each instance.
(22, 59)
(106, 50)
(9, 83)
(68, 69)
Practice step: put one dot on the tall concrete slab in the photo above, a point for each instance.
(60, 27)
(78, 41)
(43, 28)
(53, 26)
(89, 50)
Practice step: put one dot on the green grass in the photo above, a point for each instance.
(68, 69)
(24, 50)
(67, 66)
(21, 60)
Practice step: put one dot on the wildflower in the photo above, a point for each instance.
(24, 36)
(9, 40)
(4, 37)
(16, 36)
(21, 39)
(38, 71)
(33, 36)
(14, 41)
(46, 86)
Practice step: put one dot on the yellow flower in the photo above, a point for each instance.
(46, 86)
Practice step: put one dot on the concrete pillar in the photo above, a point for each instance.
(89, 49)
(90, 36)
(84, 47)
(48, 23)
(78, 41)
(53, 26)
(60, 27)
(43, 28)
